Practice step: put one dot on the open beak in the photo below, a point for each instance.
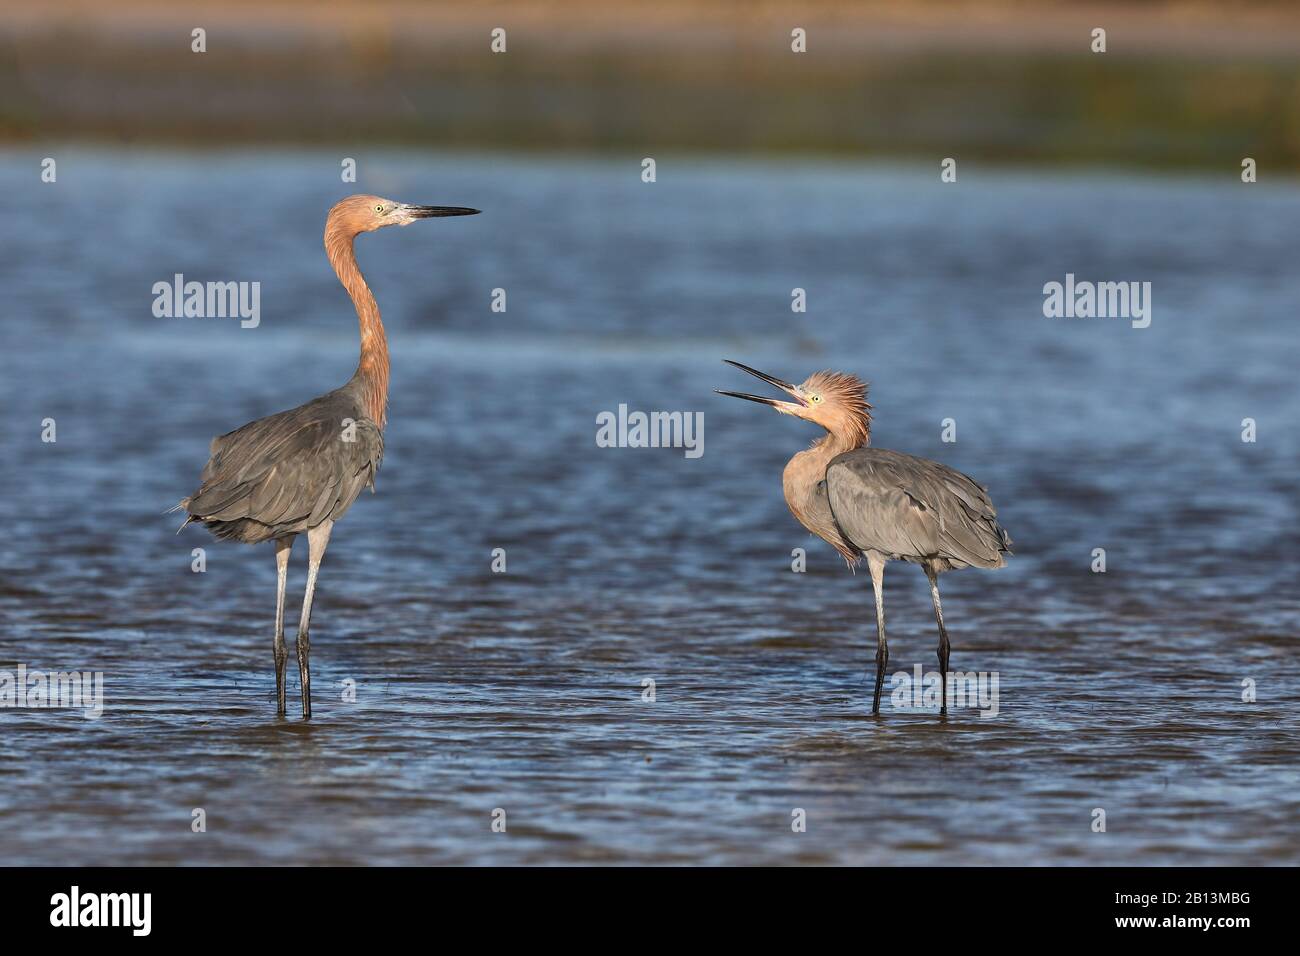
(791, 390)
(431, 212)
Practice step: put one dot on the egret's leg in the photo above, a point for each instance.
(282, 548)
(317, 538)
(943, 637)
(876, 564)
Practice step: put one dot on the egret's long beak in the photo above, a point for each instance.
(791, 390)
(430, 212)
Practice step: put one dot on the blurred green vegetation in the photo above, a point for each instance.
(1151, 109)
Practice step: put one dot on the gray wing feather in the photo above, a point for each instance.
(914, 508)
(287, 472)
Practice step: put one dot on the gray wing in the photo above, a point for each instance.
(288, 472)
(914, 508)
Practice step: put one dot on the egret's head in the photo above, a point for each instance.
(837, 401)
(361, 213)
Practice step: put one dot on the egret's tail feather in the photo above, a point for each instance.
(183, 503)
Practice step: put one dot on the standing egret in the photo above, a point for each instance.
(879, 504)
(300, 470)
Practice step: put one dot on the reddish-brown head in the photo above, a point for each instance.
(837, 401)
(361, 213)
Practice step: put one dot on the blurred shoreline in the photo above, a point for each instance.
(1183, 85)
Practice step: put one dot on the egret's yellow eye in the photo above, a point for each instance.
(379, 208)
(815, 399)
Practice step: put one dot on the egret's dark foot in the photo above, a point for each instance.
(279, 687)
(882, 662)
(943, 672)
(304, 675)
(944, 648)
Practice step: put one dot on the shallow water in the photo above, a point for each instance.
(523, 690)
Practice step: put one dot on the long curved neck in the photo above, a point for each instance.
(372, 368)
(839, 441)
(808, 467)
(802, 477)
(845, 436)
